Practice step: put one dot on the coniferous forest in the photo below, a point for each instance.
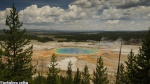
(16, 52)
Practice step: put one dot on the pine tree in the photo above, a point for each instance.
(130, 68)
(18, 57)
(85, 76)
(77, 77)
(100, 75)
(39, 79)
(69, 74)
(122, 79)
(53, 71)
(63, 80)
(142, 66)
(138, 66)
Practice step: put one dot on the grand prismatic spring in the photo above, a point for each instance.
(75, 51)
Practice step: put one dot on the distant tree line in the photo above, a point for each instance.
(129, 37)
(32, 37)
(39, 39)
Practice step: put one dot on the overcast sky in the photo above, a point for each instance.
(106, 15)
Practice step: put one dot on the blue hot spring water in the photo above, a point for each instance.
(74, 50)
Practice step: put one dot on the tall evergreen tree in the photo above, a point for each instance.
(85, 76)
(69, 74)
(100, 75)
(53, 71)
(18, 57)
(122, 79)
(130, 68)
(77, 77)
(138, 66)
(142, 66)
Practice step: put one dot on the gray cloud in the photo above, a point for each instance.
(134, 3)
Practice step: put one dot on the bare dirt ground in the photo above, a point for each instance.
(109, 51)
